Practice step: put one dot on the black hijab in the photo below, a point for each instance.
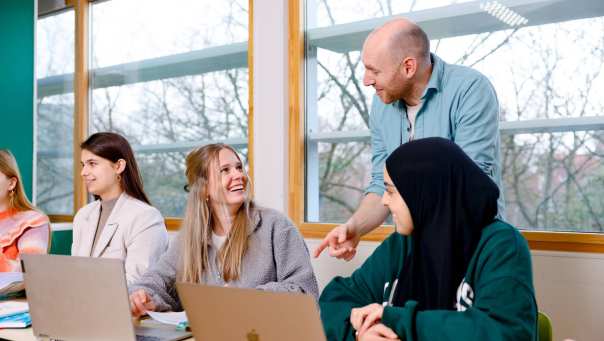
(450, 200)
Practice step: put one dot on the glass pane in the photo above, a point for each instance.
(555, 181)
(344, 170)
(55, 37)
(162, 28)
(55, 105)
(168, 105)
(539, 72)
(552, 70)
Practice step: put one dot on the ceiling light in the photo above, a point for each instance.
(503, 13)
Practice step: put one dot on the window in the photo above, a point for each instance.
(53, 191)
(548, 75)
(170, 79)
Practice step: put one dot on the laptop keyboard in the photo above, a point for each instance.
(147, 338)
(144, 333)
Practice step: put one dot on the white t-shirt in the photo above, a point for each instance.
(217, 240)
(411, 114)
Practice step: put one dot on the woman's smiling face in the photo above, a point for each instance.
(231, 190)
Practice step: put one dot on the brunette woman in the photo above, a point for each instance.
(120, 222)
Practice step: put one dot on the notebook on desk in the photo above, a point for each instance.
(222, 313)
(80, 298)
(10, 283)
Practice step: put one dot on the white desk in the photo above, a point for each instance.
(17, 334)
(28, 335)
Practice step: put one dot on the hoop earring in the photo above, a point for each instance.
(119, 177)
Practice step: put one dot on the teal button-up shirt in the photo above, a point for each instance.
(459, 103)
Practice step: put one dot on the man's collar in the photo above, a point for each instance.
(435, 80)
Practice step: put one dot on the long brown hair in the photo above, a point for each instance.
(112, 146)
(199, 219)
(17, 199)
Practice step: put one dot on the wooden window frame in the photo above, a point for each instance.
(82, 105)
(537, 240)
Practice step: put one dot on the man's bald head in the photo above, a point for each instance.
(402, 38)
(397, 61)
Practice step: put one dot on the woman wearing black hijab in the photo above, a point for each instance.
(452, 272)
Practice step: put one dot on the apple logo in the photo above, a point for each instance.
(253, 336)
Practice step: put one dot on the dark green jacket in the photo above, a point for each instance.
(496, 298)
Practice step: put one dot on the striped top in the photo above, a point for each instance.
(22, 232)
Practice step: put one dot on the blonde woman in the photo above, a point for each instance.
(23, 229)
(225, 239)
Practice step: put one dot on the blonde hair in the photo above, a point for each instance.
(199, 219)
(17, 199)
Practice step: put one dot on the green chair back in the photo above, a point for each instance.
(545, 327)
(60, 242)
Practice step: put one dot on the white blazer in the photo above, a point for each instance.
(134, 232)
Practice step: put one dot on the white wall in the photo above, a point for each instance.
(570, 289)
(271, 105)
(328, 267)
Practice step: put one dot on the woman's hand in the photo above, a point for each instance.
(140, 302)
(378, 332)
(365, 317)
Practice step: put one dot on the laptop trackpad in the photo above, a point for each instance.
(159, 334)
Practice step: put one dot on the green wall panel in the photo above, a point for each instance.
(17, 22)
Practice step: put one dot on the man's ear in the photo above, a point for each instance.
(409, 67)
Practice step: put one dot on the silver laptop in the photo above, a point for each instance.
(81, 298)
(222, 313)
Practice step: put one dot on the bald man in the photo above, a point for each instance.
(417, 95)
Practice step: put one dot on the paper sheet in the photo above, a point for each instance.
(11, 282)
(8, 308)
(7, 278)
(174, 318)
